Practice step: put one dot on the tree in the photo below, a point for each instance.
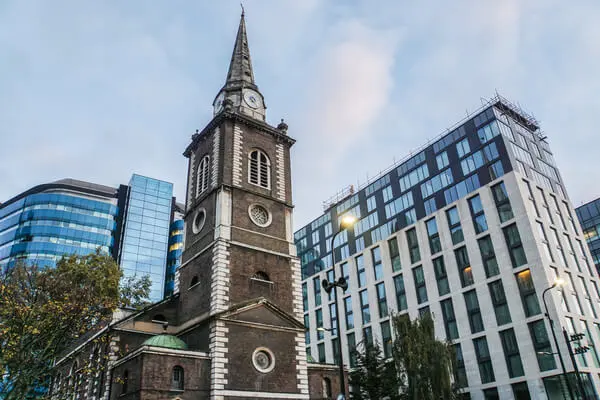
(374, 378)
(44, 310)
(424, 363)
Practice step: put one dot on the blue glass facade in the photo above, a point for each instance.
(589, 217)
(42, 227)
(146, 231)
(174, 255)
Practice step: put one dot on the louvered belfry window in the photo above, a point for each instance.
(203, 175)
(259, 169)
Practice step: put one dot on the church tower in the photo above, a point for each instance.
(239, 269)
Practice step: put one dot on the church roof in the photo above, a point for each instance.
(240, 68)
(166, 341)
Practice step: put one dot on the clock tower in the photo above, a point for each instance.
(240, 283)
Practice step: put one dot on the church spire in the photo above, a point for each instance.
(240, 68)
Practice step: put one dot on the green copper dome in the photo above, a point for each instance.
(167, 341)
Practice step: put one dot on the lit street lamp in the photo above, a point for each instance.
(346, 222)
(557, 282)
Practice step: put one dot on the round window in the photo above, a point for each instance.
(263, 360)
(199, 220)
(259, 215)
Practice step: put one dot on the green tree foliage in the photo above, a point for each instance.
(425, 363)
(373, 378)
(43, 310)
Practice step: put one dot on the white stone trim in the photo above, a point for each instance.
(297, 288)
(237, 156)
(191, 186)
(218, 353)
(223, 215)
(258, 395)
(220, 278)
(215, 157)
(301, 371)
(280, 171)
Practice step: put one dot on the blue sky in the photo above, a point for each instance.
(100, 90)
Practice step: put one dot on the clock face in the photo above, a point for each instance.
(219, 102)
(252, 98)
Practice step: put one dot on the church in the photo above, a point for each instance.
(234, 330)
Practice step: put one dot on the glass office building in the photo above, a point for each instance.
(472, 228)
(132, 223)
(589, 217)
(175, 250)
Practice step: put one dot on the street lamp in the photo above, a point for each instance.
(557, 282)
(346, 222)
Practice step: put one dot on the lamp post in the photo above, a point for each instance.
(557, 282)
(346, 222)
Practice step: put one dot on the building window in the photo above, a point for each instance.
(541, 344)
(528, 295)
(463, 147)
(521, 391)
(377, 264)
(532, 199)
(454, 225)
(502, 202)
(491, 394)
(381, 300)
(400, 293)
(441, 276)
(430, 206)
(557, 210)
(572, 254)
(545, 203)
(368, 336)
(336, 351)
(473, 311)
(511, 353)
(479, 221)
(177, 382)
(588, 298)
(386, 337)
(435, 245)
(545, 242)
(319, 318)
(345, 271)
(559, 248)
(420, 287)
(571, 220)
(488, 256)
(360, 271)
(332, 294)
(515, 247)
(349, 313)
(442, 160)
(482, 352)
(413, 245)
(460, 372)
(394, 254)
(317, 290)
(449, 319)
(259, 169)
(464, 266)
(351, 339)
(321, 352)
(371, 203)
(364, 306)
(499, 302)
(202, 175)
(496, 170)
(307, 332)
(332, 319)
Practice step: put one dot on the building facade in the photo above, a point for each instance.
(233, 328)
(589, 217)
(131, 223)
(472, 228)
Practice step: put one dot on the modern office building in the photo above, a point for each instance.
(472, 228)
(131, 223)
(589, 217)
(175, 250)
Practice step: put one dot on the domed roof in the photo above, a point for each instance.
(166, 341)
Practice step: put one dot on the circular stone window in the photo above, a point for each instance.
(263, 360)
(259, 215)
(199, 220)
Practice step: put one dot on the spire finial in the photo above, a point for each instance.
(240, 68)
(242, 5)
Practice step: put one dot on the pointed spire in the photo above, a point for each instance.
(240, 68)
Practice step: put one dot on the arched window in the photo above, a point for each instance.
(327, 388)
(194, 281)
(259, 169)
(202, 175)
(124, 382)
(177, 378)
(260, 275)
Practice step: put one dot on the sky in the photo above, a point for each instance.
(97, 91)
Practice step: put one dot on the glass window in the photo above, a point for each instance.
(442, 160)
(330, 278)
(394, 254)
(484, 360)
(319, 319)
(496, 170)
(475, 320)
(441, 276)
(515, 247)
(349, 313)
(464, 266)
(202, 175)
(360, 271)
(307, 332)
(321, 350)
(430, 206)
(502, 202)
(371, 203)
(542, 346)
(413, 245)
(420, 284)
(364, 306)
(400, 293)
(488, 256)
(377, 264)
(352, 348)
(368, 335)
(499, 302)
(463, 147)
(437, 183)
(435, 244)
(305, 296)
(521, 391)
(449, 319)
(381, 300)
(528, 295)
(259, 169)
(386, 338)
(333, 319)
(479, 221)
(460, 372)
(412, 178)
(454, 225)
(317, 290)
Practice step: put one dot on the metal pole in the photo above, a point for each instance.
(560, 358)
(575, 366)
(337, 320)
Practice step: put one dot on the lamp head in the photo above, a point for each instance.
(347, 221)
